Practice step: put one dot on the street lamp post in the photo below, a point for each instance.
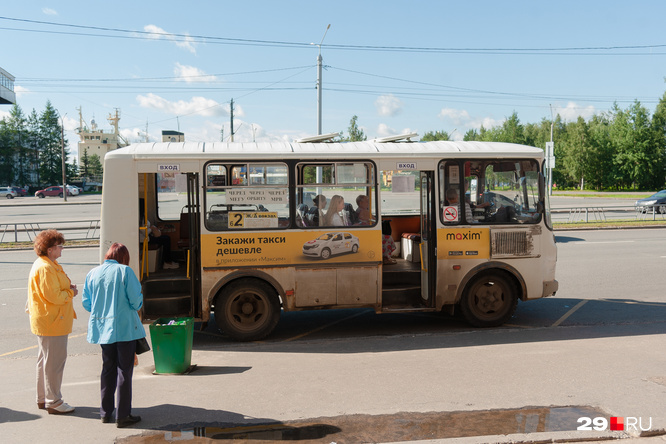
(319, 66)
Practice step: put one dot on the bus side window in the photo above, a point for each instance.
(319, 183)
(256, 197)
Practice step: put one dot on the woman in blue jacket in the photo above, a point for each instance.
(112, 295)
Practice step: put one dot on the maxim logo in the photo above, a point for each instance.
(470, 235)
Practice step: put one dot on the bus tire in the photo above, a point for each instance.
(247, 310)
(489, 300)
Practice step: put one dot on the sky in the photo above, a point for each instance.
(399, 66)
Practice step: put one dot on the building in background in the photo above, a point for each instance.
(7, 94)
(173, 136)
(97, 141)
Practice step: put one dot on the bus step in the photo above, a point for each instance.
(394, 278)
(401, 295)
(161, 286)
(168, 304)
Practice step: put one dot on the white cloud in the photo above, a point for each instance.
(49, 11)
(572, 111)
(4, 114)
(196, 105)
(486, 122)
(21, 91)
(185, 42)
(458, 116)
(388, 105)
(462, 119)
(383, 130)
(192, 74)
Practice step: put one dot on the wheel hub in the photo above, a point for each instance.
(247, 308)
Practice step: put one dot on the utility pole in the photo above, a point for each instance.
(231, 114)
(319, 82)
(550, 154)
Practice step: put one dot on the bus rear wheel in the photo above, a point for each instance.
(489, 300)
(247, 310)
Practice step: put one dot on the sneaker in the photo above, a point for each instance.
(62, 409)
(171, 266)
(127, 421)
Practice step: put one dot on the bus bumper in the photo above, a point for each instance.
(550, 288)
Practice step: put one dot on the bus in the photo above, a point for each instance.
(470, 222)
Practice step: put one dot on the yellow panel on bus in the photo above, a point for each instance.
(463, 243)
(286, 248)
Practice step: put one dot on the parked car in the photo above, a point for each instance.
(7, 192)
(51, 191)
(331, 243)
(656, 201)
(20, 192)
(73, 190)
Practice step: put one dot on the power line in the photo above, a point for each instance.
(151, 35)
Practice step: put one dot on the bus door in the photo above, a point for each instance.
(428, 238)
(193, 247)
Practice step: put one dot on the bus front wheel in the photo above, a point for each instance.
(247, 310)
(489, 300)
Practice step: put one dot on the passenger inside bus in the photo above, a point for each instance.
(156, 238)
(452, 200)
(316, 213)
(335, 215)
(363, 210)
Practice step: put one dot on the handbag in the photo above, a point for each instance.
(142, 346)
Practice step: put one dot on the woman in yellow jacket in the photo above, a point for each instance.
(50, 294)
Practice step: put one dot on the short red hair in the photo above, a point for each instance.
(47, 239)
(119, 253)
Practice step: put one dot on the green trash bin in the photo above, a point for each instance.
(171, 339)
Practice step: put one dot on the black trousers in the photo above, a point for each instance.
(165, 242)
(117, 370)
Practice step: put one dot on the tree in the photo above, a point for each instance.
(471, 134)
(576, 153)
(95, 165)
(636, 157)
(33, 145)
(659, 140)
(14, 157)
(355, 134)
(602, 172)
(50, 159)
(437, 135)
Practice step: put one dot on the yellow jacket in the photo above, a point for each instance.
(50, 299)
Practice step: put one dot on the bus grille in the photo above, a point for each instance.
(511, 243)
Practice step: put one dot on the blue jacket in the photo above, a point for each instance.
(112, 295)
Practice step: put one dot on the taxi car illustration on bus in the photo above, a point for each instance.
(331, 243)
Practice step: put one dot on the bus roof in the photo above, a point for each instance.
(207, 150)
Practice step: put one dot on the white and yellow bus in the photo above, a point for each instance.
(243, 224)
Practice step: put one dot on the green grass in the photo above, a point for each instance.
(29, 245)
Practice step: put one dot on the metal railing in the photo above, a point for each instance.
(82, 230)
(77, 230)
(608, 212)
